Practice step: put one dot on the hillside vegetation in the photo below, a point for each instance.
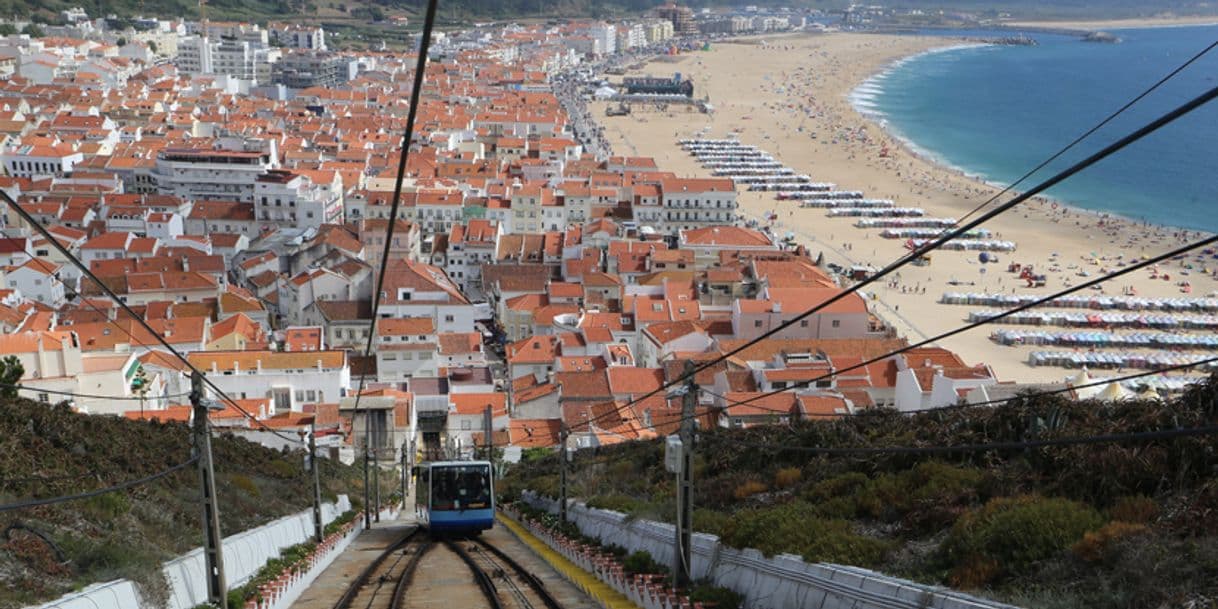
(49, 451)
(1128, 525)
(343, 12)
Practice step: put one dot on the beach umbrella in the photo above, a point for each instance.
(1082, 378)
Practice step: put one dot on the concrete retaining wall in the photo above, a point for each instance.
(244, 554)
(784, 581)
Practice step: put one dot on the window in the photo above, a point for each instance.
(803, 323)
(837, 323)
(299, 395)
(42, 397)
(424, 355)
(312, 395)
(757, 324)
(465, 425)
(448, 318)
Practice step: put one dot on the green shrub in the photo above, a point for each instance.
(797, 529)
(642, 562)
(712, 522)
(720, 597)
(749, 488)
(246, 485)
(1095, 545)
(925, 497)
(1015, 532)
(787, 477)
(338, 522)
(1135, 508)
(616, 502)
(108, 505)
(283, 469)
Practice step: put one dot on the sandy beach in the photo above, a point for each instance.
(789, 96)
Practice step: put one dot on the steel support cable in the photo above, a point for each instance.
(411, 113)
(1005, 313)
(42, 229)
(1090, 131)
(22, 387)
(1137, 436)
(930, 246)
(429, 22)
(961, 405)
(1046, 299)
(20, 505)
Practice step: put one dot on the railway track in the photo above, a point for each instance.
(497, 582)
(393, 569)
(520, 588)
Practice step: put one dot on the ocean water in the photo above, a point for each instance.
(997, 111)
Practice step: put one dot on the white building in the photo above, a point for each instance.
(414, 289)
(406, 348)
(241, 59)
(227, 172)
(293, 200)
(697, 202)
(37, 279)
(41, 161)
(290, 379)
(53, 362)
(298, 36)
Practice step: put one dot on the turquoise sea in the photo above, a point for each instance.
(997, 111)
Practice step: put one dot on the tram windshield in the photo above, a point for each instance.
(460, 487)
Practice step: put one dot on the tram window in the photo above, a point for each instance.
(459, 488)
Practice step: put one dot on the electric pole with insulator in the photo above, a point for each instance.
(689, 403)
(562, 471)
(217, 591)
(319, 529)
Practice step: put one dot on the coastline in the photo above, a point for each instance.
(792, 98)
(1120, 24)
(912, 148)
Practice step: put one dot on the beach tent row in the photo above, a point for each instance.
(1108, 319)
(757, 172)
(1100, 359)
(905, 223)
(827, 198)
(930, 233)
(878, 212)
(974, 245)
(1106, 340)
(1154, 386)
(1098, 302)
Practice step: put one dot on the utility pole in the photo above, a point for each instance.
(487, 442)
(562, 471)
(376, 482)
(217, 591)
(367, 483)
(319, 529)
(405, 446)
(685, 510)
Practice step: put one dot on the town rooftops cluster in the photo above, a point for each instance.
(528, 276)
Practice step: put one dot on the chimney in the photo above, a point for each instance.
(777, 307)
